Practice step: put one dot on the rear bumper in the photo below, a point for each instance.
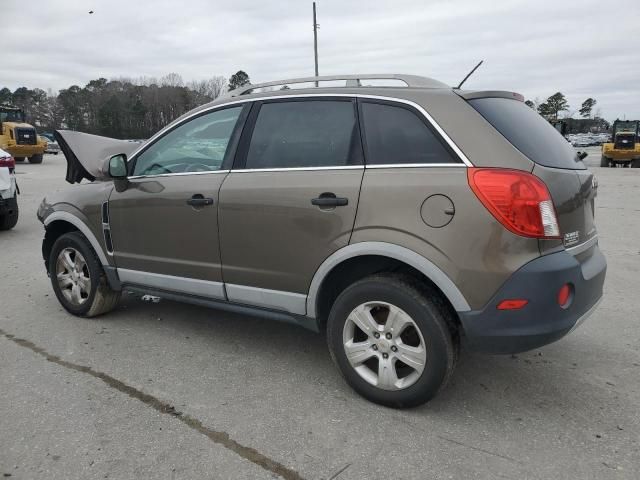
(24, 150)
(542, 320)
(621, 154)
(7, 205)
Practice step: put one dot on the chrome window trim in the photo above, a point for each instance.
(298, 169)
(237, 100)
(193, 286)
(134, 177)
(416, 165)
(578, 249)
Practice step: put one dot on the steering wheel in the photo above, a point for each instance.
(197, 167)
(155, 166)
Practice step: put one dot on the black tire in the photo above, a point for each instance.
(101, 298)
(9, 219)
(19, 159)
(55, 153)
(604, 161)
(36, 158)
(635, 163)
(431, 316)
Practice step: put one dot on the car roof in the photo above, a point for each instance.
(415, 89)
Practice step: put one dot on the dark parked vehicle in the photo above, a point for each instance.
(405, 222)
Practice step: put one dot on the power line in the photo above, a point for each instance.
(315, 39)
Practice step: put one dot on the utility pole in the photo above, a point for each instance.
(315, 39)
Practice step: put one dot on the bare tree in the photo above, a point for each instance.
(171, 80)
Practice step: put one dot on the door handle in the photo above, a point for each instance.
(199, 200)
(329, 200)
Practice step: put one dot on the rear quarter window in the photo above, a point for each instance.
(528, 132)
(395, 135)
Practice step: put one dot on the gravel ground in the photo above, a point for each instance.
(176, 391)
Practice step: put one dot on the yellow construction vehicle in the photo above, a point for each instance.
(18, 138)
(624, 148)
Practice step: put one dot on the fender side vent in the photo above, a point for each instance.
(107, 240)
(105, 213)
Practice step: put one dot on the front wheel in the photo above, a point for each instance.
(635, 163)
(78, 279)
(19, 159)
(9, 218)
(604, 161)
(35, 158)
(391, 338)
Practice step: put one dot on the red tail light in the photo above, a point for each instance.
(518, 200)
(7, 162)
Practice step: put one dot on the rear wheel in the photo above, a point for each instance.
(35, 158)
(391, 338)
(19, 159)
(78, 279)
(604, 161)
(9, 219)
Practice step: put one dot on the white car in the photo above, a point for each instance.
(52, 146)
(8, 192)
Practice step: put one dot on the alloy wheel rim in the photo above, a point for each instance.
(72, 274)
(384, 345)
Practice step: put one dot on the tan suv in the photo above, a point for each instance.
(404, 221)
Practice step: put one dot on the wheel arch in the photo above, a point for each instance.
(60, 222)
(364, 258)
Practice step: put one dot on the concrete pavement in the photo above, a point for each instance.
(177, 391)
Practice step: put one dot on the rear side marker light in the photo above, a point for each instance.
(512, 304)
(519, 200)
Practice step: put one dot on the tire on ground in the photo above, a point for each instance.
(36, 158)
(19, 159)
(427, 309)
(635, 163)
(604, 161)
(102, 298)
(9, 219)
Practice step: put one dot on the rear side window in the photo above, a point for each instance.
(396, 135)
(528, 132)
(313, 133)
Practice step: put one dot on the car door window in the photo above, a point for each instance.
(396, 135)
(198, 145)
(313, 133)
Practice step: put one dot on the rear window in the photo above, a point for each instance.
(528, 132)
(313, 133)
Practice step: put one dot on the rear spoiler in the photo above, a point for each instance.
(86, 154)
(473, 94)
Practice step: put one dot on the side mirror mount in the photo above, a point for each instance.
(118, 171)
(582, 155)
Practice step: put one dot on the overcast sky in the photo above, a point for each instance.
(537, 47)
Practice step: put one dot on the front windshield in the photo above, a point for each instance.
(11, 116)
(626, 127)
